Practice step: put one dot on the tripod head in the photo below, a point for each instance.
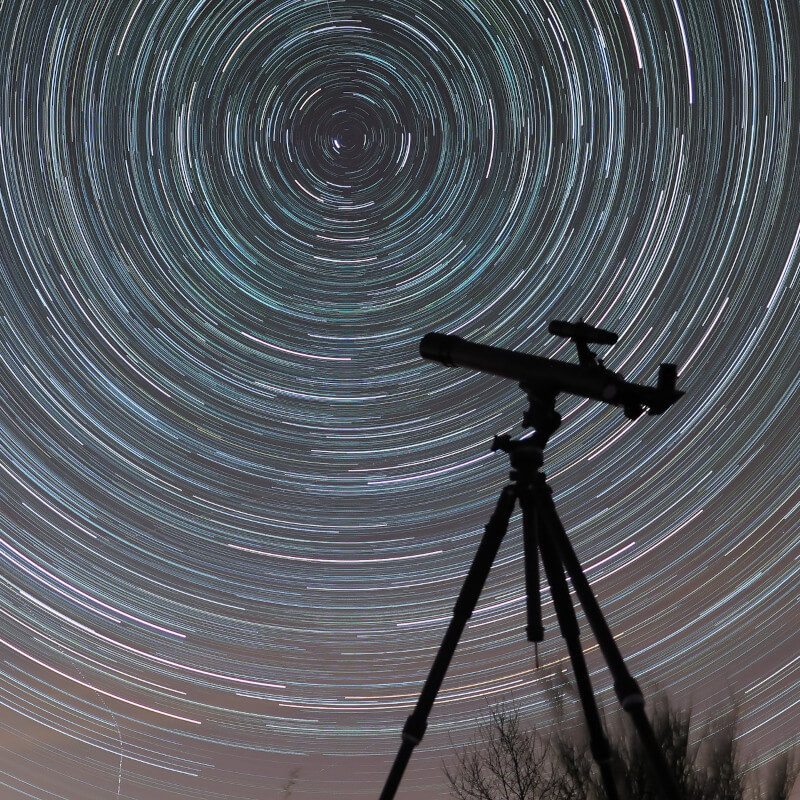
(548, 377)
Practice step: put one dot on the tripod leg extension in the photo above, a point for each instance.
(530, 539)
(414, 728)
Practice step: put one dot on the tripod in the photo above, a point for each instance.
(543, 535)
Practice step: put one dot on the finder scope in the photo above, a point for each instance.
(581, 332)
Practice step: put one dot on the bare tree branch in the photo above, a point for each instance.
(509, 762)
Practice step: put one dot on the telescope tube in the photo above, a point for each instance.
(548, 375)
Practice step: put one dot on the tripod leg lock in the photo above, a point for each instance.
(629, 694)
(535, 632)
(414, 729)
(600, 749)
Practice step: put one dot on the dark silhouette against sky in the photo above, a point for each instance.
(236, 506)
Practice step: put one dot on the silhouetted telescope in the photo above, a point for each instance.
(544, 539)
(549, 376)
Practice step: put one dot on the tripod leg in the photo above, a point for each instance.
(530, 538)
(568, 623)
(414, 728)
(627, 689)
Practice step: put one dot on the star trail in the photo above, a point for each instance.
(236, 506)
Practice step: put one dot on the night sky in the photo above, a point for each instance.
(236, 506)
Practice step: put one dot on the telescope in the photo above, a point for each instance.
(549, 376)
(544, 538)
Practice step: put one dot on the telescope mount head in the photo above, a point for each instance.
(541, 414)
(543, 418)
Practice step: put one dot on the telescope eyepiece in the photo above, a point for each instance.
(667, 378)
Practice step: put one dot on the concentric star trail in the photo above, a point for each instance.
(236, 506)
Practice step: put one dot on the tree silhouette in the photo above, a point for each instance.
(510, 762)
